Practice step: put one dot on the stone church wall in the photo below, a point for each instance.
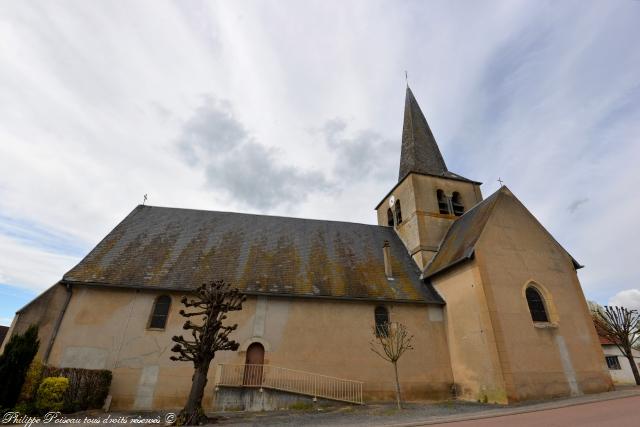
(558, 358)
(43, 312)
(107, 328)
(472, 344)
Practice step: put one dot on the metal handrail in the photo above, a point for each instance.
(290, 380)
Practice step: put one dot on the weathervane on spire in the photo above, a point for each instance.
(500, 181)
(406, 77)
(144, 199)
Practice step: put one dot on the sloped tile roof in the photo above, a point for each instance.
(180, 249)
(459, 242)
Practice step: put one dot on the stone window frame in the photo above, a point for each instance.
(443, 202)
(390, 218)
(398, 212)
(381, 328)
(154, 314)
(457, 205)
(549, 305)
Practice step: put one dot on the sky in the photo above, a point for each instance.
(295, 108)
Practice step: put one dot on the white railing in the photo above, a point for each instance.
(301, 382)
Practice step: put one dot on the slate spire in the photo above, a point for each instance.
(420, 152)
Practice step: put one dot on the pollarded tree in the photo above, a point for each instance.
(621, 326)
(391, 341)
(209, 335)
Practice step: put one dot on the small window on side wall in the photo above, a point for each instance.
(398, 212)
(382, 321)
(613, 363)
(456, 203)
(389, 217)
(443, 206)
(160, 312)
(536, 305)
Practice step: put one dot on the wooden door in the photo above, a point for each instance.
(253, 365)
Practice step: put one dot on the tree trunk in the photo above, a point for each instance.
(634, 368)
(193, 414)
(398, 397)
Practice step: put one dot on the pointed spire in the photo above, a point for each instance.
(420, 152)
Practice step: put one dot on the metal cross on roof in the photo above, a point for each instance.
(144, 199)
(500, 181)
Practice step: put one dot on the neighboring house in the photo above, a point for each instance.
(3, 334)
(617, 363)
(492, 299)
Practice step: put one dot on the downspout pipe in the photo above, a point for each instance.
(58, 323)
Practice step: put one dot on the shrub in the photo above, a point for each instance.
(31, 381)
(14, 362)
(50, 396)
(28, 408)
(88, 388)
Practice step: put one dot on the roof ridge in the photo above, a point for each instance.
(177, 248)
(575, 262)
(259, 215)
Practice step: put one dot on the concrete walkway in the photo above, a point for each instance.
(621, 412)
(621, 393)
(447, 413)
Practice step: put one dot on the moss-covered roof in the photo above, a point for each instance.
(180, 249)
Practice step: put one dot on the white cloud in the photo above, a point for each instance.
(93, 98)
(629, 298)
(30, 267)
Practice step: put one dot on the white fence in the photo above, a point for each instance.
(301, 382)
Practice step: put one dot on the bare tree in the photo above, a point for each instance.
(211, 303)
(621, 326)
(391, 341)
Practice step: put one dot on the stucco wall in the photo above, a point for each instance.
(107, 328)
(474, 358)
(43, 311)
(560, 358)
(624, 375)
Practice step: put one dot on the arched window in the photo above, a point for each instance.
(398, 213)
(389, 217)
(456, 202)
(160, 312)
(536, 305)
(382, 321)
(443, 206)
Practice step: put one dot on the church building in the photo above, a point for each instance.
(492, 299)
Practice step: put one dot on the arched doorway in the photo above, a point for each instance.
(253, 365)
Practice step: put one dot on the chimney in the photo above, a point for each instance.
(386, 248)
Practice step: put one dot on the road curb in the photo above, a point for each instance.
(496, 413)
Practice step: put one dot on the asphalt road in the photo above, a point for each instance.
(618, 412)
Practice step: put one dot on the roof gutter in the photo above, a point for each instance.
(255, 293)
(56, 328)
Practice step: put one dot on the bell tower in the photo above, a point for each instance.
(428, 198)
